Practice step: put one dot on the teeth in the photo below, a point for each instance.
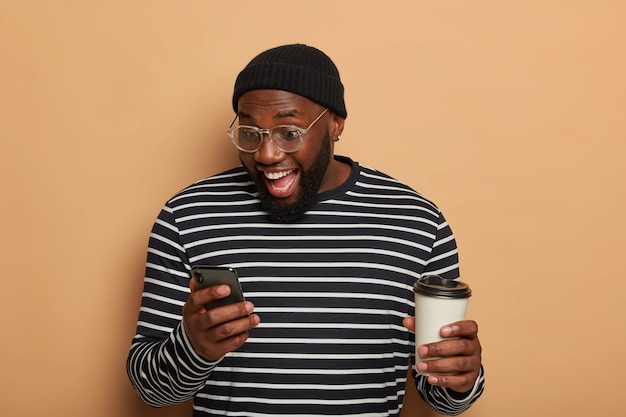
(277, 175)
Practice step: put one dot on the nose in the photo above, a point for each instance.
(268, 154)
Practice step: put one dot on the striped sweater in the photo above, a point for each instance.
(331, 290)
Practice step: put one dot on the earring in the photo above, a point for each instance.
(338, 137)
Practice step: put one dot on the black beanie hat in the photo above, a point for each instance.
(299, 69)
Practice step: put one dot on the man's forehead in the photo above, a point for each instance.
(278, 103)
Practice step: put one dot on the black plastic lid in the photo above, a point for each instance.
(436, 286)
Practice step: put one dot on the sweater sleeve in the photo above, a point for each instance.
(443, 400)
(167, 372)
(444, 258)
(162, 365)
(444, 261)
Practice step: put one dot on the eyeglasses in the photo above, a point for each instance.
(286, 138)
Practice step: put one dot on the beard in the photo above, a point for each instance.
(310, 183)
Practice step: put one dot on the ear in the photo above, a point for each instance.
(336, 126)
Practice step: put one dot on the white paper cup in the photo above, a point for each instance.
(438, 301)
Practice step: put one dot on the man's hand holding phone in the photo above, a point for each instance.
(216, 317)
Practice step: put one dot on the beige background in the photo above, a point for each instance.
(510, 115)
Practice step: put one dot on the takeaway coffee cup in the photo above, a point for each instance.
(438, 301)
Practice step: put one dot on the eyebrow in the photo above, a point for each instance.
(280, 115)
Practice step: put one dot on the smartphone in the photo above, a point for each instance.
(208, 276)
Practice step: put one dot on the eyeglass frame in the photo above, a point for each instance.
(269, 131)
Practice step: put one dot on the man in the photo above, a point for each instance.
(327, 252)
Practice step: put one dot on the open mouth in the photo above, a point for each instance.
(280, 183)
